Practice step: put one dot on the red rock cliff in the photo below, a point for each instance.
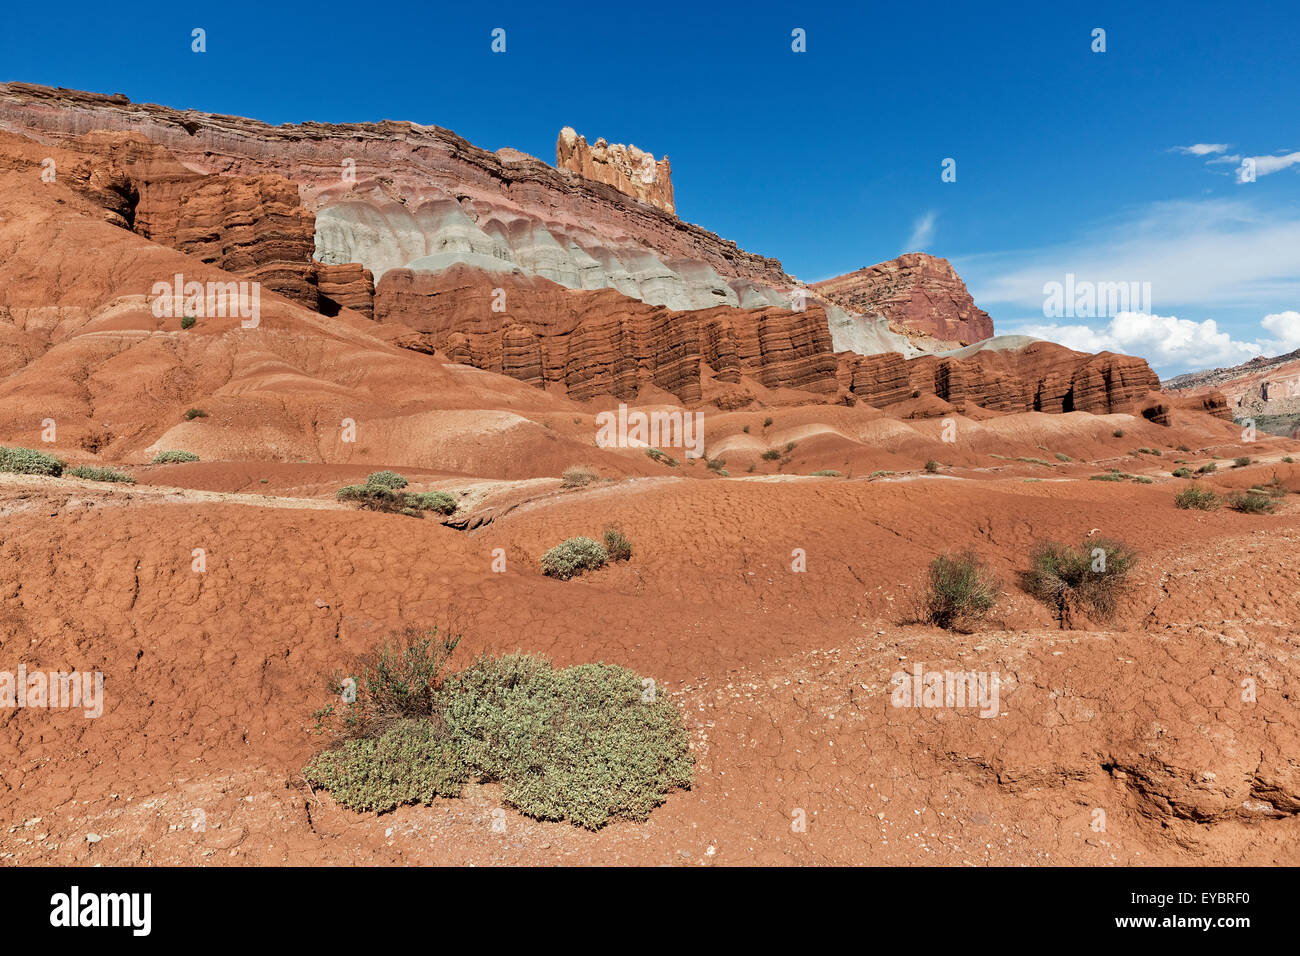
(626, 168)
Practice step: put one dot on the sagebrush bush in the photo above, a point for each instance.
(961, 591)
(1182, 473)
(717, 464)
(28, 461)
(98, 473)
(1090, 575)
(380, 498)
(1252, 502)
(770, 455)
(1109, 476)
(617, 545)
(932, 466)
(824, 473)
(572, 557)
(438, 501)
(767, 422)
(173, 457)
(193, 413)
(1200, 499)
(187, 322)
(1118, 433)
(662, 457)
(1241, 462)
(576, 476)
(588, 743)
(386, 479)
(1208, 468)
(1062, 456)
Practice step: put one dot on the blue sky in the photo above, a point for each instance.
(1068, 160)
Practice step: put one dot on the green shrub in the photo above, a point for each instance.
(386, 479)
(960, 593)
(1118, 433)
(1142, 479)
(1061, 456)
(825, 473)
(1109, 476)
(790, 446)
(717, 464)
(97, 473)
(1289, 460)
(28, 461)
(173, 457)
(1090, 575)
(187, 322)
(745, 429)
(767, 422)
(617, 545)
(880, 474)
(770, 455)
(1184, 448)
(572, 557)
(438, 501)
(1201, 499)
(662, 457)
(1182, 473)
(1251, 502)
(193, 413)
(1208, 468)
(932, 466)
(576, 476)
(1241, 462)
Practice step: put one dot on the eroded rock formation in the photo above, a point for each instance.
(628, 169)
(916, 292)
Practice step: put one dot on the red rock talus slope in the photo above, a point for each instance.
(626, 168)
(917, 292)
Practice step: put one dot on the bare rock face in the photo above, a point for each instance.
(1267, 389)
(916, 292)
(1039, 377)
(348, 285)
(626, 168)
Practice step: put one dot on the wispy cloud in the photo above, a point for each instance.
(922, 233)
(1201, 149)
(1264, 165)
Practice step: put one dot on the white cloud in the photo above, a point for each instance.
(1285, 326)
(1264, 165)
(1170, 344)
(1201, 149)
(922, 233)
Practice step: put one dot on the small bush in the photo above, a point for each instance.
(932, 466)
(717, 464)
(1184, 448)
(193, 413)
(1061, 456)
(572, 557)
(825, 473)
(1200, 499)
(1118, 433)
(1251, 502)
(438, 501)
(1289, 460)
(1207, 469)
(662, 457)
(28, 461)
(386, 479)
(1142, 479)
(880, 474)
(576, 476)
(617, 545)
(961, 591)
(1090, 575)
(1241, 462)
(173, 457)
(97, 473)
(187, 322)
(767, 422)
(745, 429)
(790, 446)
(770, 455)
(1109, 476)
(1182, 473)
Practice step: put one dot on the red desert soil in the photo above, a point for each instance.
(783, 677)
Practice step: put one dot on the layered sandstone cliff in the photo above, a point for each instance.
(916, 292)
(1264, 389)
(628, 169)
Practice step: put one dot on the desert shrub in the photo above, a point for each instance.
(353, 493)
(1184, 448)
(1142, 479)
(1061, 456)
(745, 429)
(770, 455)
(193, 413)
(767, 422)
(1241, 462)
(1032, 461)
(173, 457)
(1289, 460)
(1109, 476)
(752, 468)
(617, 545)
(438, 501)
(1118, 433)
(572, 557)
(187, 322)
(1208, 468)
(1200, 499)
(932, 466)
(717, 464)
(28, 461)
(960, 593)
(386, 479)
(790, 446)
(662, 457)
(1251, 502)
(825, 473)
(1182, 473)
(98, 473)
(880, 474)
(577, 476)
(1090, 575)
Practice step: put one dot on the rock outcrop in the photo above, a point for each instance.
(348, 285)
(915, 292)
(1264, 389)
(626, 168)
